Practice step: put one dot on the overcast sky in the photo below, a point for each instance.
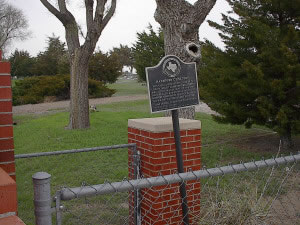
(131, 16)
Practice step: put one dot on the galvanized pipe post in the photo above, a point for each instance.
(58, 208)
(136, 165)
(42, 198)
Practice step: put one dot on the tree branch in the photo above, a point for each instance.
(99, 23)
(99, 11)
(109, 14)
(166, 3)
(3, 17)
(200, 3)
(54, 11)
(66, 13)
(89, 10)
(3, 40)
(80, 30)
(159, 2)
(62, 6)
(93, 25)
(69, 22)
(202, 8)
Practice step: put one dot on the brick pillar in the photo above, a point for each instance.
(8, 195)
(155, 140)
(7, 162)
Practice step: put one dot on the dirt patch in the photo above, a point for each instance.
(52, 107)
(285, 208)
(268, 143)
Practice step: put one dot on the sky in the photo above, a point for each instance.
(131, 16)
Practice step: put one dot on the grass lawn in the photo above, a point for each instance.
(108, 127)
(41, 133)
(128, 87)
(13, 82)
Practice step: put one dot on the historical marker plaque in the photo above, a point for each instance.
(172, 84)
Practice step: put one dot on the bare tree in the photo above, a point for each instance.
(13, 25)
(98, 13)
(180, 22)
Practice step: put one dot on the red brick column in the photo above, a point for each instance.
(8, 187)
(155, 141)
(7, 162)
(8, 195)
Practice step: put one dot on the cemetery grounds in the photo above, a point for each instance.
(43, 131)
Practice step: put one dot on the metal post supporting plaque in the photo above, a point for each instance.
(182, 188)
(172, 85)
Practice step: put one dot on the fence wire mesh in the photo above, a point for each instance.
(255, 197)
(269, 195)
(264, 196)
(69, 170)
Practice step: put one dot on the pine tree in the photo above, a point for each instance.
(104, 67)
(21, 64)
(124, 55)
(255, 79)
(52, 60)
(148, 51)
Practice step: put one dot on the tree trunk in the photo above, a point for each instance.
(286, 142)
(97, 17)
(175, 44)
(79, 98)
(180, 22)
(286, 139)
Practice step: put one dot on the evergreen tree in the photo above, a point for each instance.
(53, 60)
(124, 55)
(255, 79)
(105, 67)
(148, 51)
(21, 64)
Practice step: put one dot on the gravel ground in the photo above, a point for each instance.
(64, 105)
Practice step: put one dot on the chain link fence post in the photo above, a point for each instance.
(42, 198)
(136, 164)
(58, 208)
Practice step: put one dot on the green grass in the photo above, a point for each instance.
(128, 87)
(216, 141)
(108, 127)
(13, 82)
(47, 133)
(131, 106)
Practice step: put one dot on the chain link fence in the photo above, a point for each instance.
(257, 192)
(70, 168)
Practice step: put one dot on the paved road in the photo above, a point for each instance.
(64, 105)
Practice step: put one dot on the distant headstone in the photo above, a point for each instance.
(172, 84)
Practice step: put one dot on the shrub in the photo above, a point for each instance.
(34, 90)
(96, 90)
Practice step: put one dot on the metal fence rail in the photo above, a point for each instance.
(261, 182)
(42, 180)
(39, 154)
(129, 185)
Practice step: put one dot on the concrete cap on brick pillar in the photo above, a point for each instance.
(162, 124)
